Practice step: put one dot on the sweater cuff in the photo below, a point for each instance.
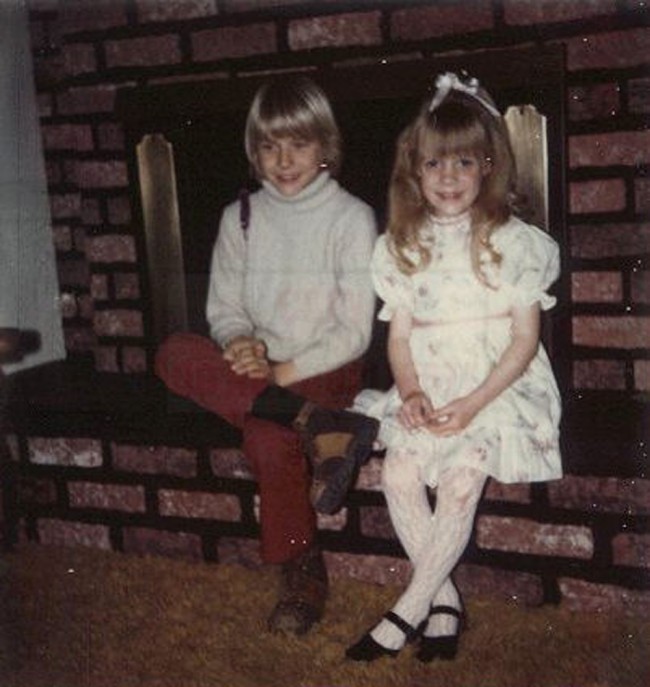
(224, 336)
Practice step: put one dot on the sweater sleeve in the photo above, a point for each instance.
(225, 309)
(348, 334)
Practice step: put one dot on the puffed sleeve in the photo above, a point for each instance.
(393, 286)
(530, 263)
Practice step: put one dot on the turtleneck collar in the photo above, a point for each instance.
(313, 194)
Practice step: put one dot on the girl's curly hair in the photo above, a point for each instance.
(459, 126)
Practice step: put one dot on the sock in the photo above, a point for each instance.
(278, 405)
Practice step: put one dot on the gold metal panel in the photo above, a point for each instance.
(527, 128)
(155, 156)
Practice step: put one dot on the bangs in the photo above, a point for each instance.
(453, 129)
(436, 143)
(278, 120)
(295, 108)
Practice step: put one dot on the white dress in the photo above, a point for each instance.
(461, 328)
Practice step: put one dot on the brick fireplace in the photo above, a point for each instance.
(105, 458)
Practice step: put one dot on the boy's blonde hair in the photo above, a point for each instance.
(459, 125)
(293, 106)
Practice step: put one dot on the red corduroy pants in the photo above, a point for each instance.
(193, 366)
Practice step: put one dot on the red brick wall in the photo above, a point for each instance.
(84, 51)
(582, 542)
(583, 539)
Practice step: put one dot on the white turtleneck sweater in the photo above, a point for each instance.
(299, 278)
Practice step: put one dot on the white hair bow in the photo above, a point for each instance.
(447, 82)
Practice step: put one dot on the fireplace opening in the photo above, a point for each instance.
(200, 126)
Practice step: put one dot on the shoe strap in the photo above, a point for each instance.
(302, 418)
(409, 631)
(445, 610)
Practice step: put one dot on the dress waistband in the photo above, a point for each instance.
(438, 323)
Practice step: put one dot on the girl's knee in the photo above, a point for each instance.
(400, 472)
(460, 490)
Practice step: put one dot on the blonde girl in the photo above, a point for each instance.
(462, 282)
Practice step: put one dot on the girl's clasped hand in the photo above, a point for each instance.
(452, 418)
(417, 412)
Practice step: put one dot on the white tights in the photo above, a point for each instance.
(433, 543)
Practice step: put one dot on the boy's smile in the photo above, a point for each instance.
(289, 163)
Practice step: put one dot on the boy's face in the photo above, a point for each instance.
(451, 183)
(289, 163)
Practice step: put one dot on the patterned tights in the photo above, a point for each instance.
(433, 542)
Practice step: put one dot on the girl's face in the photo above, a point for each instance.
(451, 183)
(289, 163)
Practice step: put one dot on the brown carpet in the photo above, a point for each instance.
(87, 618)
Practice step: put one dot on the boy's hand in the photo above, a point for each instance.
(247, 356)
(416, 410)
(240, 345)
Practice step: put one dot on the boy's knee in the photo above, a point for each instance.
(178, 347)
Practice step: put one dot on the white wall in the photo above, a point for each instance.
(29, 293)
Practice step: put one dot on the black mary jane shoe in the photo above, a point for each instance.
(444, 647)
(367, 649)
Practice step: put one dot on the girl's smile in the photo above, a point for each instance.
(289, 163)
(451, 183)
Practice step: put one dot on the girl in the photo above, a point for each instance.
(463, 283)
(290, 307)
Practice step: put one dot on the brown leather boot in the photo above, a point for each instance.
(303, 594)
